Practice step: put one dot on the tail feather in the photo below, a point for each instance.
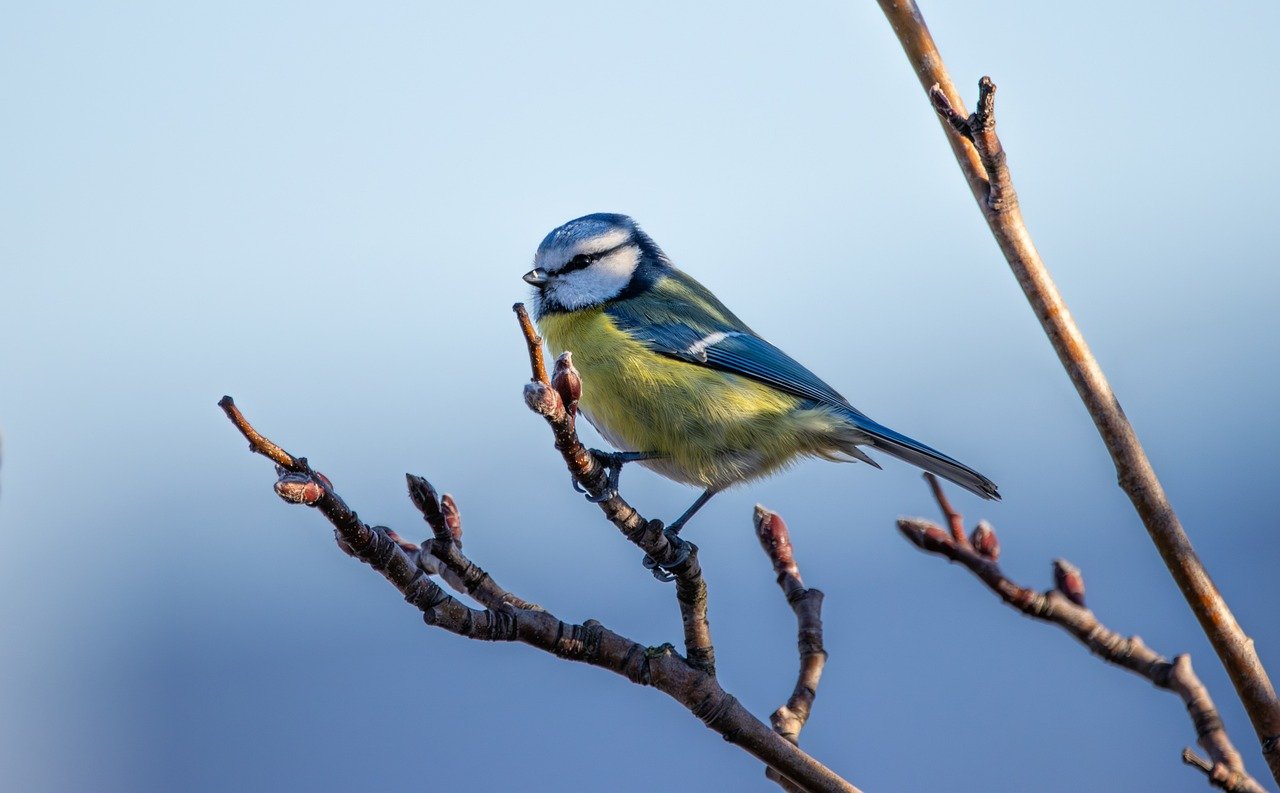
(912, 451)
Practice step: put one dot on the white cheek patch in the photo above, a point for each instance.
(603, 280)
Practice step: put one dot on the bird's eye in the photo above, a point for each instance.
(578, 262)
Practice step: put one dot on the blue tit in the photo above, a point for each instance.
(674, 378)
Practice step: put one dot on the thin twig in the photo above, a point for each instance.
(790, 719)
(534, 341)
(982, 159)
(443, 553)
(1220, 776)
(691, 589)
(504, 620)
(954, 519)
(257, 443)
(1063, 605)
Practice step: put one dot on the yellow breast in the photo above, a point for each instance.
(713, 428)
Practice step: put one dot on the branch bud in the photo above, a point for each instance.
(423, 494)
(299, 488)
(774, 538)
(567, 382)
(927, 535)
(935, 538)
(1068, 580)
(427, 500)
(452, 517)
(541, 398)
(985, 542)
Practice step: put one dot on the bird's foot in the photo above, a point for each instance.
(662, 572)
(612, 463)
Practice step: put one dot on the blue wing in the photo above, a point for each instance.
(739, 352)
(680, 318)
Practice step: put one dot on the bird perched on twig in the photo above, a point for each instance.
(681, 385)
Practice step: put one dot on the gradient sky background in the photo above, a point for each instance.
(324, 211)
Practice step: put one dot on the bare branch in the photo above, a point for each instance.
(509, 618)
(980, 130)
(790, 719)
(1063, 605)
(1220, 776)
(982, 159)
(531, 337)
(425, 498)
(691, 589)
(257, 443)
(445, 550)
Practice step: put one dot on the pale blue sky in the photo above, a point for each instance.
(324, 210)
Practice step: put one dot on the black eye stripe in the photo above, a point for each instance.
(578, 262)
(584, 260)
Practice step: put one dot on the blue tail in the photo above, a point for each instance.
(913, 451)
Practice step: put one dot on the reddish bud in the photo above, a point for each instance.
(567, 382)
(452, 517)
(934, 535)
(1068, 580)
(299, 489)
(985, 542)
(774, 538)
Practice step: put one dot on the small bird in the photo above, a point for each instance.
(684, 387)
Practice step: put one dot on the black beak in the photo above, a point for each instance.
(536, 277)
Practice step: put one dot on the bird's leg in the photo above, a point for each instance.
(698, 504)
(682, 547)
(612, 462)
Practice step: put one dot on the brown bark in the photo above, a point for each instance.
(983, 161)
(506, 617)
(1063, 605)
(790, 719)
(691, 590)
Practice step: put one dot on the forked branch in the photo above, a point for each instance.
(544, 396)
(689, 679)
(1063, 605)
(982, 159)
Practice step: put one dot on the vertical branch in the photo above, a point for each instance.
(533, 341)
(555, 399)
(790, 719)
(977, 148)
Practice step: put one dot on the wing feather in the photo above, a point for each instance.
(683, 320)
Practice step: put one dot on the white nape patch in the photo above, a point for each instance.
(699, 348)
(605, 278)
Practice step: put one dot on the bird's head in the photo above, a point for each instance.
(592, 260)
